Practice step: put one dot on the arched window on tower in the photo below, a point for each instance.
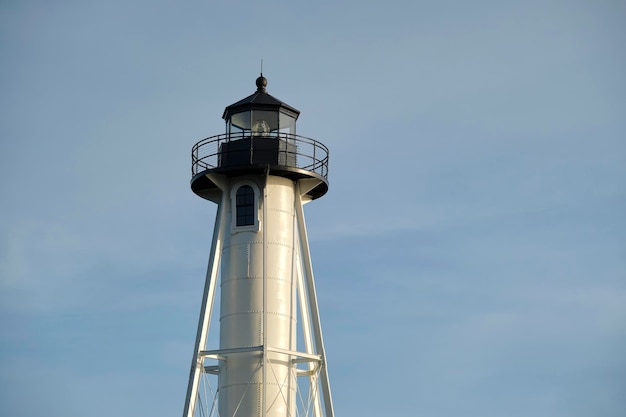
(245, 206)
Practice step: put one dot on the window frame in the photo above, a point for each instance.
(255, 207)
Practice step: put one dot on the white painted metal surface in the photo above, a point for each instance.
(266, 282)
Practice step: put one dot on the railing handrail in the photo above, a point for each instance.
(308, 154)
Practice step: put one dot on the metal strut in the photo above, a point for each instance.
(314, 310)
(208, 298)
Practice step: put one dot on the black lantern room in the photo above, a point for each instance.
(260, 138)
(260, 114)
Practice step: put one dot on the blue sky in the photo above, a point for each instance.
(470, 256)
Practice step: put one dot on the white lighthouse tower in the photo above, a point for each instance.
(270, 361)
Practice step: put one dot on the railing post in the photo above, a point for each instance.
(251, 148)
(314, 157)
(194, 166)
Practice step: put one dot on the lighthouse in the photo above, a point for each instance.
(270, 359)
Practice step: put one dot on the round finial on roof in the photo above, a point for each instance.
(261, 83)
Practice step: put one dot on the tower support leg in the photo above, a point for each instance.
(312, 303)
(197, 363)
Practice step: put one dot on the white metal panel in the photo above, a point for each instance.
(257, 311)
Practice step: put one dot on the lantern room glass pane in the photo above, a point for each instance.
(287, 124)
(240, 121)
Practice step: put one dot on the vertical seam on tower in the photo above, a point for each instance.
(248, 249)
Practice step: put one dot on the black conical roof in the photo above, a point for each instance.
(260, 100)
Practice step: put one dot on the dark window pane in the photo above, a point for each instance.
(245, 206)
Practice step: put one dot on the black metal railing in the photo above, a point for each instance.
(295, 152)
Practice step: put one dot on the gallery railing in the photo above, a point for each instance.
(293, 151)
